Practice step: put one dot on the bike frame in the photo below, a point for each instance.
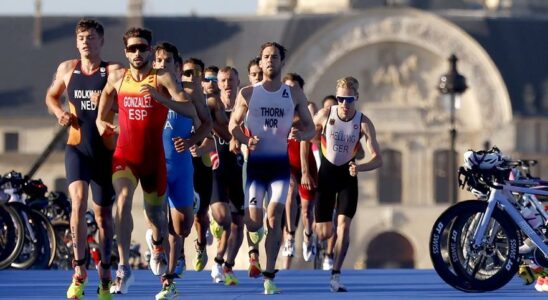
(501, 195)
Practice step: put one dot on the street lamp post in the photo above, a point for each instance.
(452, 84)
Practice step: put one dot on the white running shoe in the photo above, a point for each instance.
(327, 264)
(124, 279)
(289, 248)
(158, 261)
(336, 285)
(217, 273)
(309, 249)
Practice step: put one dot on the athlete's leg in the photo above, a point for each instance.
(290, 226)
(78, 191)
(343, 240)
(105, 226)
(124, 186)
(182, 219)
(275, 210)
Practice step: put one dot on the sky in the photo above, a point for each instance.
(119, 7)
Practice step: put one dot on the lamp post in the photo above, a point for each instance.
(452, 84)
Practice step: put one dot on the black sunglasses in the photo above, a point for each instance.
(192, 72)
(141, 47)
(348, 99)
(210, 79)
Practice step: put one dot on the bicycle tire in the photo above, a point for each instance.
(13, 233)
(49, 242)
(498, 262)
(439, 245)
(31, 248)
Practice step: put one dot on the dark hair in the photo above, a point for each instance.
(281, 49)
(212, 69)
(329, 97)
(227, 69)
(253, 62)
(178, 59)
(294, 77)
(136, 32)
(87, 24)
(167, 47)
(195, 61)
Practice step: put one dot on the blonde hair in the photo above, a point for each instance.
(349, 82)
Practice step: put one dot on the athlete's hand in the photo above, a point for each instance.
(180, 144)
(152, 91)
(308, 182)
(353, 169)
(105, 128)
(65, 119)
(195, 151)
(234, 146)
(252, 143)
(95, 98)
(295, 134)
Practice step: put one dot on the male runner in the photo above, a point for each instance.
(193, 70)
(144, 96)
(341, 128)
(266, 109)
(228, 200)
(178, 130)
(303, 179)
(254, 72)
(88, 157)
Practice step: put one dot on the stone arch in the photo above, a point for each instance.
(414, 46)
(390, 249)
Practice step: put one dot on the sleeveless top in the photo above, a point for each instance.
(339, 139)
(269, 117)
(83, 134)
(142, 119)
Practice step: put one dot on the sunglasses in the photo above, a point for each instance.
(348, 99)
(192, 72)
(210, 79)
(141, 47)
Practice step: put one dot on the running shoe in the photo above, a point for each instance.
(336, 285)
(168, 292)
(180, 267)
(539, 284)
(289, 248)
(103, 290)
(158, 261)
(254, 270)
(124, 279)
(327, 264)
(201, 259)
(76, 288)
(216, 229)
(257, 236)
(270, 287)
(230, 278)
(309, 249)
(526, 274)
(217, 273)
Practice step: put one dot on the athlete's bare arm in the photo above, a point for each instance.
(319, 121)
(238, 116)
(56, 90)
(306, 179)
(372, 146)
(178, 101)
(307, 131)
(220, 126)
(106, 101)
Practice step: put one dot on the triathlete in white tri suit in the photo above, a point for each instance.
(341, 128)
(266, 109)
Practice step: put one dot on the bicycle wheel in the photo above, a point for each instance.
(11, 236)
(439, 245)
(64, 254)
(49, 242)
(496, 261)
(33, 237)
